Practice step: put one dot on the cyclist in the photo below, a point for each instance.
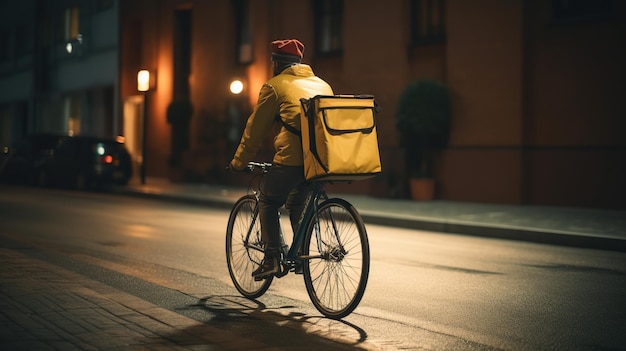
(278, 107)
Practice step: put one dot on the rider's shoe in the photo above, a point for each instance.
(268, 267)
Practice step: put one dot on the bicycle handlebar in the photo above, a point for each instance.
(251, 166)
(263, 165)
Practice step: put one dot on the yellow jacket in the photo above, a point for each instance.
(280, 98)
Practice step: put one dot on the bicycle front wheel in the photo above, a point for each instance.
(244, 250)
(337, 258)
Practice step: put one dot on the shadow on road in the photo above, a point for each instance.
(280, 327)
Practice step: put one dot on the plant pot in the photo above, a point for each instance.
(422, 189)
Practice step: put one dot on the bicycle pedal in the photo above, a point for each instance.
(281, 274)
(283, 271)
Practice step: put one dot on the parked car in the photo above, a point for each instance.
(21, 161)
(83, 162)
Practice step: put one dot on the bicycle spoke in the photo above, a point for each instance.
(243, 250)
(336, 281)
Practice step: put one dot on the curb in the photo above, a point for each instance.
(569, 239)
(501, 232)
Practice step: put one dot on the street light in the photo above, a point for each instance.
(234, 109)
(145, 82)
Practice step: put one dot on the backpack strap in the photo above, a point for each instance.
(289, 127)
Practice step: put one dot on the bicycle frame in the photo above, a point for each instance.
(310, 209)
(335, 277)
(308, 213)
(255, 217)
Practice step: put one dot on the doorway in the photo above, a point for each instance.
(133, 130)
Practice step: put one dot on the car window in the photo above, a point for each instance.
(35, 146)
(67, 148)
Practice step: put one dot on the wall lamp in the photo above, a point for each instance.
(236, 87)
(75, 45)
(145, 80)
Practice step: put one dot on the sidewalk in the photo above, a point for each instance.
(46, 307)
(578, 227)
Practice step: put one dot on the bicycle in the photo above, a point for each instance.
(330, 245)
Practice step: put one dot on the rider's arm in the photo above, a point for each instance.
(259, 124)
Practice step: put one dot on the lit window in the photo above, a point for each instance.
(71, 22)
(72, 114)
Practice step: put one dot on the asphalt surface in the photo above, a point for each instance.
(567, 226)
(44, 306)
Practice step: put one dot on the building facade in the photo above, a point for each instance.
(536, 87)
(58, 68)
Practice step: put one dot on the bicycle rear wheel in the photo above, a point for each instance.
(337, 261)
(244, 253)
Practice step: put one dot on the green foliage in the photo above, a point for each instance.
(423, 118)
(424, 112)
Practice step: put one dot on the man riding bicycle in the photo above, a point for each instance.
(279, 106)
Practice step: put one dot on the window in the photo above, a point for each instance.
(72, 114)
(103, 5)
(5, 45)
(427, 22)
(45, 32)
(573, 10)
(243, 30)
(71, 24)
(23, 40)
(182, 53)
(6, 128)
(328, 27)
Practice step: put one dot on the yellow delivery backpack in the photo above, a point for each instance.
(339, 137)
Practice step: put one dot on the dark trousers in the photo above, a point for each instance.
(282, 185)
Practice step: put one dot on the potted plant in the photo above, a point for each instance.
(423, 118)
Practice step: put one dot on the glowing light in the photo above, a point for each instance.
(74, 43)
(108, 159)
(236, 87)
(143, 80)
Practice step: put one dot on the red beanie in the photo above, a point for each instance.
(290, 47)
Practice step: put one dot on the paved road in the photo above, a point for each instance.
(578, 227)
(146, 260)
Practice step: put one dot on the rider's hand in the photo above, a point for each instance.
(232, 168)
